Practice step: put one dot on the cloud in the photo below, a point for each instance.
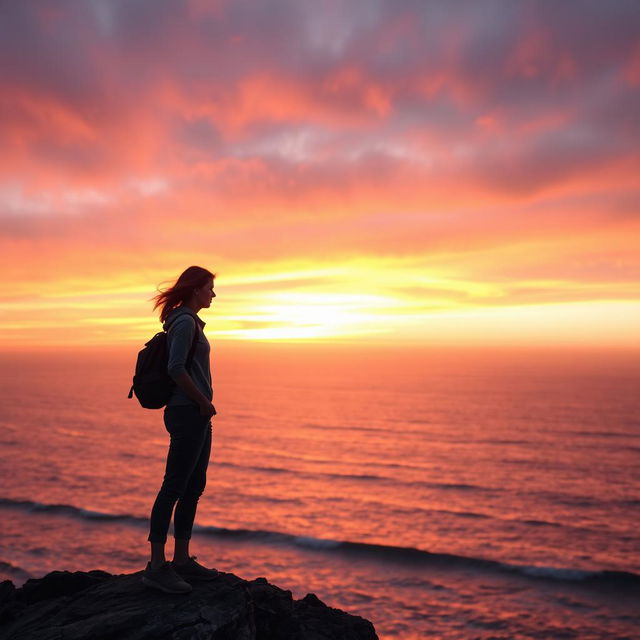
(489, 140)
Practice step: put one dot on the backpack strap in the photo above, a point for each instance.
(192, 351)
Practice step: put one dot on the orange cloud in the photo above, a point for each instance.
(399, 164)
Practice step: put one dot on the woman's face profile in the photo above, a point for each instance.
(206, 294)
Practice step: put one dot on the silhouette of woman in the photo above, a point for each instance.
(187, 418)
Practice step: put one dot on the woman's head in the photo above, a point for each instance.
(194, 285)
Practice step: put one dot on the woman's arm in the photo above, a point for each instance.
(182, 334)
(184, 381)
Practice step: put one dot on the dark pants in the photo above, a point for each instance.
(185, 475)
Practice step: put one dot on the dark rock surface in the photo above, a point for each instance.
(101, 606)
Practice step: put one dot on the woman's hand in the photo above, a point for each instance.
(207, 409)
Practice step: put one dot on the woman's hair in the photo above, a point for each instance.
(178, 294)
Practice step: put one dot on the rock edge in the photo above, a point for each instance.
(97, 605)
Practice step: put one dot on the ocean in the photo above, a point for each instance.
(440, 493)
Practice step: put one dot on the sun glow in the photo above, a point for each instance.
(387, 299)
(308, 316)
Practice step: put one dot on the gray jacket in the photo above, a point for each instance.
(180, 326)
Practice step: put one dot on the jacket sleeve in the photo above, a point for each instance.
(180, 335)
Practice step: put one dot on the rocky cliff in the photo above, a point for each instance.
(99, 606)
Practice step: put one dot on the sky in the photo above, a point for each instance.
(411, 172)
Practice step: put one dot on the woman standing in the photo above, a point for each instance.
(187, 418)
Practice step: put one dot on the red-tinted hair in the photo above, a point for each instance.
(178, 294)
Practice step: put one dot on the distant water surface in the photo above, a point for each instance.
(457, 493)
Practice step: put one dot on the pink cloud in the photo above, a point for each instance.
(274, 130)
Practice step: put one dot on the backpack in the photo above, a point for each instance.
(151, 382)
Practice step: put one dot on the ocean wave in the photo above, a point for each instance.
(69, 510)
(367, 477)
(416, 557)
(378, 464)
(91, 514)
(542, 523)
(376, 552)
(248, 467)
(284, 470)
(601, 434)
(335, 427)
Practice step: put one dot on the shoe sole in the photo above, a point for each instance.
(156, 585)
